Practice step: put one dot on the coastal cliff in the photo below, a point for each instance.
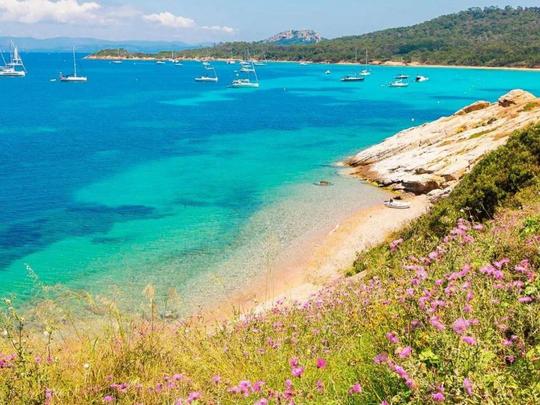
(432, 158)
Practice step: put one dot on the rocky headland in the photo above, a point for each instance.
(431, 158)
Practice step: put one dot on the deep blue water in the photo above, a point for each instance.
(142, 175)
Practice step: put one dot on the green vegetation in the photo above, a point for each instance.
(476, 37)
(446, 312)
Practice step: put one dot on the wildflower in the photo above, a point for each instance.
(395, 244)
(525, 300)
(467, 386)
(392, 337)
(509, 359)
(405, 352)
(193, 396)
(108, 399)
(293, 362)
(478, 227)
(381, 358)
(355, 389)
(384, 402)
(262, 401)
(257, 386)
(438, 396)
(321, 363)
(320, 386)
(437, 323)
(461, 325)
(469, 340)
(48, 396)
(297, 371)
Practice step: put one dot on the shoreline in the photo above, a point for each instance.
(344, 63)
(319, 262)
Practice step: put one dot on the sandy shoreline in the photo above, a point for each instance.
(306, 269)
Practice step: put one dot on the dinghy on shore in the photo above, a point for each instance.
(396, 204)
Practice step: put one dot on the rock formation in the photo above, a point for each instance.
(431, 158)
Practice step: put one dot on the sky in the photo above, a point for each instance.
(196, 21)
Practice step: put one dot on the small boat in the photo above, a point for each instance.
(420, 79)
(231, 62)
(74, 78)
(365, 71)
(160, 62)
(402, 77)
(15, 67)
(246, 82)
(328, 72)
(117, 62)
(208, 78)
(352, 78)
(399, 83)
(400, 205)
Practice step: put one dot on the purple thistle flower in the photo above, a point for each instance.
(467, 386)
(321, 363)
(405, 352)
(297, 371)
(193, 396)
(355, 389)
(469, 340)
(437, 323)
(262, 401)
(438, 396)
(108, 399)
(392, 337)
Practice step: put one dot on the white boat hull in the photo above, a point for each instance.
(399, 205)
(73, 79)
(12, 73)
(245, 85)
(207, 79)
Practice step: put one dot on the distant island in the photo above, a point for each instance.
(492, 36)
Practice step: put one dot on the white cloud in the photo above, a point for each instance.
(170, 20)
(223, 28)
(60, 11)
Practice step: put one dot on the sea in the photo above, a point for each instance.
(142, 176)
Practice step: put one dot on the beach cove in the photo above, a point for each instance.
(202, 188)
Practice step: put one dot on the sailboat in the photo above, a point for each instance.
(74, 78)
(15, 67)
(365, 71)
(246, 83)
(353, 78)
(207, 78)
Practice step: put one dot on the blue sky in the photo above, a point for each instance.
(217, 20)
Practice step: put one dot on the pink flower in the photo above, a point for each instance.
(395, 244)
(525, 300)
(108, 399)
(297, 371)
(437, 323)
(321, 363)
(320, 386)
(380, 358)
(355, 389)
(392, 337)
(257, 386)
(467, 386)
(262, 401)
(469, 340)
(438, 396)
(405, 352)
(293, 362)
(193, 396)
(461, 325)
(385, 402)
(216, 379)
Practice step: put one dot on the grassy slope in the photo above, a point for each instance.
(446, 311)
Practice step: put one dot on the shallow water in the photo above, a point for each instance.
(143, 176)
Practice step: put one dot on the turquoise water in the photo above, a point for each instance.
(143, 176)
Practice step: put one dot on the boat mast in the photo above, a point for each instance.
(74, 64)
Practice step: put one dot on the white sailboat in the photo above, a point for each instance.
(355, 77)
(246, 82)
(365, 71)
(74, 78)
(208, 78)
(399, 83)
(15, 67)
